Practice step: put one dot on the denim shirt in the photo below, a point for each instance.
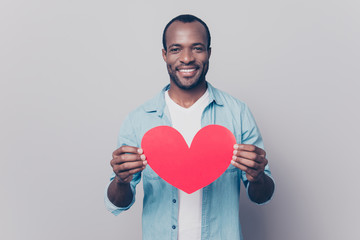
(220, 200)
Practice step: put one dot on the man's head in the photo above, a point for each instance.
(186, 41)
(186, 18)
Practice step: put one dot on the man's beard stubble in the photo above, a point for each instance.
(178, 83)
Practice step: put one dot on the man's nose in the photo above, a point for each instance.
(187, 56)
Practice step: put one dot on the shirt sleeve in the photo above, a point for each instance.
(127, 137)
(251, 135)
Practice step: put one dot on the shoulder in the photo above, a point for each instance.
(147, 113)
(151, 105)
(223, 98)
(138, 121)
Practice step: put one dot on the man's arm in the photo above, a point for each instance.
(252, 161)
(126, 161)
(261, 191)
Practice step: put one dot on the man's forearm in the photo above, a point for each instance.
(262, 190)
(120, 194)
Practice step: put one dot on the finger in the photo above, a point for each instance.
(250, 155)
(127, 166)
(250, 148)
(126, 176)
(125, 179)
(245, 154)
(239, 166)
(127, 149)
(251, 173)
(127, 158)
(248, 163)
(131, 172)
(123, 176)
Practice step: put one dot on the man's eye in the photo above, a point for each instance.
(199, 49)
(173, 50)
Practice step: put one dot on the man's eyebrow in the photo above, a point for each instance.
(199, 43)
(174, 45)
(179, 45)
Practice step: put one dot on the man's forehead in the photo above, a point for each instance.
(178, 31)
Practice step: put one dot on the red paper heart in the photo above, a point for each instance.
(189, 169)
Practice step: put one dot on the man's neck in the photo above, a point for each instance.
(186, 98)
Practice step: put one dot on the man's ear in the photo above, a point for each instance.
(164, 54)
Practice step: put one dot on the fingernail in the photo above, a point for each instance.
(235, 152)
(234, 158)
(236, 146)
(140, 151)
(143, 157)
(144, 163)
(232, 162)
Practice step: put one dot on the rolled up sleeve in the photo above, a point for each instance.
(251, 135)
(126, 137)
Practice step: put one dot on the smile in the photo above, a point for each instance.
(187, 70)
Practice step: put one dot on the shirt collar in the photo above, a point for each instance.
(157, 104)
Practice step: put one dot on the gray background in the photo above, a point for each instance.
(71, 70)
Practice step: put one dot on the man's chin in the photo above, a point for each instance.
(188, 85)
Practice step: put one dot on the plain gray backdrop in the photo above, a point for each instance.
(70, 71)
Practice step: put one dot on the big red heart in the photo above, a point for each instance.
(189, 169)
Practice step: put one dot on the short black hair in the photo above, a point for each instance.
(186, 18)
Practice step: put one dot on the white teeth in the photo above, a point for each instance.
(186, 70)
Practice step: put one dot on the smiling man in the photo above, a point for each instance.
(187, 104)
(186, 53)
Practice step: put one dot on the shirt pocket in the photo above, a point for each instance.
(150, 174)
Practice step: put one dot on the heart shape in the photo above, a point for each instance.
(189, 169)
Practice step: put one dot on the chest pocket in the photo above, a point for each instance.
(149, 173)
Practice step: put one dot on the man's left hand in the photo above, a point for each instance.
(251, 160)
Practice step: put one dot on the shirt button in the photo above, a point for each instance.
(174, 200)
(173, 226)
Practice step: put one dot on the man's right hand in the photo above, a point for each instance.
(127, 161)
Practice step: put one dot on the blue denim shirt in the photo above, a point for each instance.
(220, 200)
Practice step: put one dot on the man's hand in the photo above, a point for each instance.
(126, 161)
(251, 160)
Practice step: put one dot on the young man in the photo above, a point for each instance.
(189, 103)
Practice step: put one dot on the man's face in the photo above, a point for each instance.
(187, 55)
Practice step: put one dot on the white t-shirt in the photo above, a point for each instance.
(188, 122)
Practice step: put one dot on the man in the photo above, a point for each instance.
(189, 103)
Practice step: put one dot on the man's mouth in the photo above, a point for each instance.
(187, 72)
